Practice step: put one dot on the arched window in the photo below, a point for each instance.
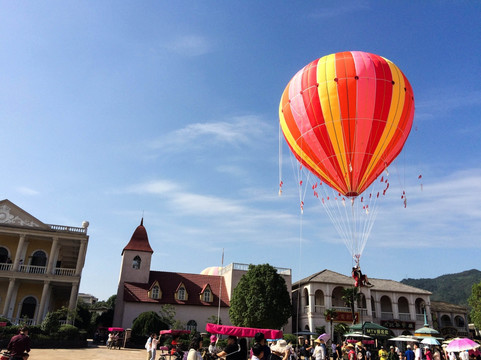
(155, 292)
(39, 258)
(28, 307)
(459, 321)
(207, 295)
(181, 294)
(136, 263)
(3, 255)
(192, 325)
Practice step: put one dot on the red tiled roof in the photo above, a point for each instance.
(139, 240)
(169, 282)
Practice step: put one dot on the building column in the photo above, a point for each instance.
(43, 301)
(369, 306)
(395, 310)
(53, 256)
(412, 311)
(428, 314)
(377, 306)
(72, 304)
(81, 257)
(328, 301)
(8, 298)
(18, 254)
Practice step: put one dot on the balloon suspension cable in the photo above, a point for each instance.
(280, 160)
(352, 217)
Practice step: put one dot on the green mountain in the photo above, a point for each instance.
(452, 288)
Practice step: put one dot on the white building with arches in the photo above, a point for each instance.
(389, 303)
(40, 265)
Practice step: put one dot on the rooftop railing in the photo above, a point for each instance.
(70, 229)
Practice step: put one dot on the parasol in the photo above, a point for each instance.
(461, 344)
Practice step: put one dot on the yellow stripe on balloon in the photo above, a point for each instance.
(394, 116)
(300, 153)
(329, 98)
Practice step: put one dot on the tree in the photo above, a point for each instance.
(350, 296)
(260, 299)
(147, 323)
(331, 315)
(475, 302)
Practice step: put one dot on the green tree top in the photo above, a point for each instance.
(475, 303)
(261, 299)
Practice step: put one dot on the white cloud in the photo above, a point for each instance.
(239, 130)
(339, 10)
(190, 45)
(27, 191)
(444, 101)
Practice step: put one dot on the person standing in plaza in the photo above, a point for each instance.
(418, 355)
(19, 344)
(382, 353)
(194, 349)
(319, 351)
(392, 354)
(408, 354)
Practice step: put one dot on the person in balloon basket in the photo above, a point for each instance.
(19, 344)
(359, 278)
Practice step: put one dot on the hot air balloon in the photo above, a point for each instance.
(346, 117)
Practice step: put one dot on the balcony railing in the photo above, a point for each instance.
(319, 309)
(33, 269)
(6, 267)
(64, 271)
(405, 316)
(385, 315)
(71, 229)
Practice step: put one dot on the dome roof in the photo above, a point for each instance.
(211, 270)
(139, 240)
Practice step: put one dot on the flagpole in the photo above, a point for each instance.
(220, 288)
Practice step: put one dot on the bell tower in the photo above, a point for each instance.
(134, 267)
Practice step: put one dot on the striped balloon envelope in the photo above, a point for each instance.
(346, 116)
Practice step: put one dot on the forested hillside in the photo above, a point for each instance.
(452, 288)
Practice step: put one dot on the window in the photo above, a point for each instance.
(28, 307)
(3, 255)
(136, 263)
(39, 258)
(181, 294)
(192, 325)
(207, 295)
(155, 292)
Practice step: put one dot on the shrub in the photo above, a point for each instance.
(51, 323)
(68, 332)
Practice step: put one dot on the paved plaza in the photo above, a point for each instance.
(90, 353)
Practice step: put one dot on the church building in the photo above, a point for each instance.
(195, 297)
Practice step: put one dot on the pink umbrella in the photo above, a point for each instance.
(461, 344)
(324, 337)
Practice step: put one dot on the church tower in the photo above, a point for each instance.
(135, 267)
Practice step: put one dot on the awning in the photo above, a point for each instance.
(242, 331)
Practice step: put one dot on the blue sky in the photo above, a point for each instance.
(114, 110)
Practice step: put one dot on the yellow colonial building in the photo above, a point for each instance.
(40, 265)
